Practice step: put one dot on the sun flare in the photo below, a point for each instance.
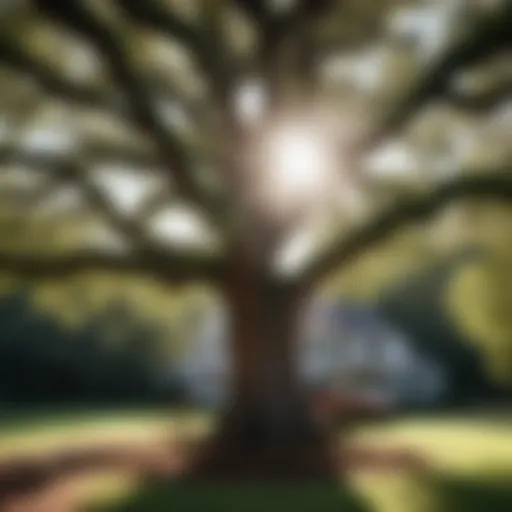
(298, 162)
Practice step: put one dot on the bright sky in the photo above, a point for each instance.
(395, 159)
(181, 226)
(250, 101)
(127, 190)
(48, 140)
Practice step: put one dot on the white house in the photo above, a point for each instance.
(344, 346)
(350, 348)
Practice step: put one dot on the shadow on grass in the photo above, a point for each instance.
(189, 497)
(452, 495)
(471, 496)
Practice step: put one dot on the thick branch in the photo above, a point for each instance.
(491, 35)
(277, 30)
(17, 58)
(257, 10)
(63, 170)
(75, 16)
(496, 186)
(51, 81)
(95, 153)
(153, 14)
(175, 269)
(154, 203)
(268, 22)
(481, 101)
(206, 45)
(130, 229)
(30, 265)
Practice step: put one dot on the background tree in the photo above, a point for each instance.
(113, 356)
(252, 145)
(478, 298)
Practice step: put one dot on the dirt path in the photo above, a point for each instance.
(55, 483)
(58, 496)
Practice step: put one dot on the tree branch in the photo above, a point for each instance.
(76, 17)
(491, 35)
(481, 101)
(206, 46)
(96, 152)
(149, 254)
(15, 57)
(128, 228)
(155, 202)
(32, 266)
(51, 81)
(496, 186)
(154, 15)
(282, 32)
(64, 170)
(258, 11)
(173, 269)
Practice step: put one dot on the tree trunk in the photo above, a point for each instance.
(266, 403)
(267, 429)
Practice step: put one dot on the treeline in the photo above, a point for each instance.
(418, 307)
(111, 357)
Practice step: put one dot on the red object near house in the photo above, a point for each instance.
(330, 406)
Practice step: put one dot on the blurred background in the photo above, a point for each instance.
(409, 343)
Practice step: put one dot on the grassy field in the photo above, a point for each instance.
(470, 457)
(43, 430)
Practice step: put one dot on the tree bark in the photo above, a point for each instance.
(267, 429)
(266, 407)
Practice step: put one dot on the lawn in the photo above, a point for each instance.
(470, 457)
(40, 430)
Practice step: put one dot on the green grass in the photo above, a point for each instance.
(43, 430)
(470, 446)
(247, 498)
(445, 496)
(470, 457)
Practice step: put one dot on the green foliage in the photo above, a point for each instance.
(114, 355)
(480, 301)
(417, 307)
(470, 305)
(390, 262)
(479, 298)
